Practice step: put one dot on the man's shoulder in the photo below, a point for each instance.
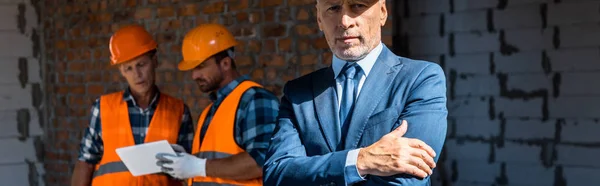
(306, 80)
(417, 66)
(108, 98)
(416, 63)
(304, 85)
(173, 101)
(260, 93)
(112, 94)
(261, 97)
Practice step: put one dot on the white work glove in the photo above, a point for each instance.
(182, 166)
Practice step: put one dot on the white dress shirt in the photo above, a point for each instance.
(366, 64)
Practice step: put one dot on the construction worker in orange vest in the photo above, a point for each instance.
(234, 131)
(139, 114)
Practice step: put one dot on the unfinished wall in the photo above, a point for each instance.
(21, 97)
(523, 92)
(279, 40)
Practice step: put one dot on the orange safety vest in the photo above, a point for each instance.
(219, 141)
(116, 133)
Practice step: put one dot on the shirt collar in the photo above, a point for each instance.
(127, 96)
(366, 63)
(223, 92)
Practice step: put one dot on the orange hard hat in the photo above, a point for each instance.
(203, 42)
(130, 42)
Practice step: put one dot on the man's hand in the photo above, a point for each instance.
(394, 154)
(181, 166)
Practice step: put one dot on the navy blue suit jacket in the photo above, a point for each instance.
(307, 147)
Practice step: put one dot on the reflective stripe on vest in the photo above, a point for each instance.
(212, 155)
(117, 133)
(219, 141)
(111, 167)
(211, 184)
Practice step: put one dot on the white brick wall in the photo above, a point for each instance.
(466, 21)
(468, 107)
(518, 17)
(580, 35)
(570, 84)
(10, 125)
(578, 156)
(462, 5)
(525, 2)
(14, 174)
(477, 85)
(477, 127)
(477, 171)
(529, 82)
(466, 43)
(15, 44)
(529, 175)
(540, 47)
(527, 154)
(464, 151)
(429, 45)
(19, 164)
(575, 107)
(418, 7)
(573, 12)
(469, 63)
(420, 26)
(581, 131)
(581, 175)
(526, 61)
(530, 129)
(516, 108)
(19, 151)
(532, 39)
(7, 17)
(14, 97)
(584, 59)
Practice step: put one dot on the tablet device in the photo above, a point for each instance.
(141, 159)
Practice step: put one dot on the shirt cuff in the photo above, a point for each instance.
(351, 171)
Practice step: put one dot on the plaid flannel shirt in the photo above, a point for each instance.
(92, 147)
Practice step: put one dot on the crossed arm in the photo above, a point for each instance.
(288, 164)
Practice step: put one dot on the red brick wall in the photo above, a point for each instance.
(279, 40)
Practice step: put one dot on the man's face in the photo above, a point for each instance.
(352, 27)
(208, 75)
(139, 73)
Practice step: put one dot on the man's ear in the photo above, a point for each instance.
(384, 13)
(121, 70)
(154, 61)
(318, 16)
(225, 63)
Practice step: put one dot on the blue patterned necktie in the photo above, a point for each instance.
(350, 79)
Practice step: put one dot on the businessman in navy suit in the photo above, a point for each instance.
(371, 118)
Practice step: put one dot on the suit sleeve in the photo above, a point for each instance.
(426, 115)
(287, 162)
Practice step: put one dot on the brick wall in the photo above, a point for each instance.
(21, 122)
(522, 96)
(279, 39)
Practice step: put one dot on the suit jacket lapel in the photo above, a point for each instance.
(376, 86)
(325, 107)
